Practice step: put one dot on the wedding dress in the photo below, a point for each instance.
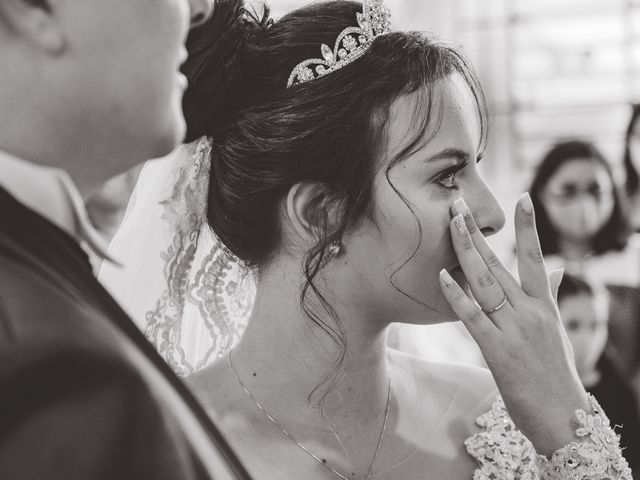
(192, 298)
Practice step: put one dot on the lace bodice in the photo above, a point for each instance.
(504, 453)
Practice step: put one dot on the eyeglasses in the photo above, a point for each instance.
(570, 192)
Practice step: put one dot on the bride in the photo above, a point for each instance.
(345, 179)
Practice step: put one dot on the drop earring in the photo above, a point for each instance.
(335, 248)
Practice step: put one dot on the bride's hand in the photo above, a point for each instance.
(518, 328)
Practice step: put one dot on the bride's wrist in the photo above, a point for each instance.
(594, 454)
(560, 424)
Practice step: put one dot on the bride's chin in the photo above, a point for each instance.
(437, 312)
(444, 313)
(446, 317)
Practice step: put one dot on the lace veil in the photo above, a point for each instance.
(189, 295)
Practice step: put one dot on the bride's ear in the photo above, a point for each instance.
(311, 211)
(35, 21)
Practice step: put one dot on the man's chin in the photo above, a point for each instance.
(173, 137)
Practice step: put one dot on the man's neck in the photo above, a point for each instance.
(83, 178)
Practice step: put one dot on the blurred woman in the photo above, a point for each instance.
(584, 228)
(632, 165)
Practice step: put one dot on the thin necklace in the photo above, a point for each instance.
(302, 447)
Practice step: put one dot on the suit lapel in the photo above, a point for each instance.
(31, 239)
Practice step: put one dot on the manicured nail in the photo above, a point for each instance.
(558, 271)
(461, 207)
(446, 278)
(525, 202)
(458, 220)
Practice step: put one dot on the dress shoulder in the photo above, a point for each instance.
(472, 413)
(446, 399)
(474, 386)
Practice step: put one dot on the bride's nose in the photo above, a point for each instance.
(487, 211)
(201, 10)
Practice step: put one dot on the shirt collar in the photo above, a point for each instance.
(51, 193)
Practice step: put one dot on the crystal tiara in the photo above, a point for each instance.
(351, 44)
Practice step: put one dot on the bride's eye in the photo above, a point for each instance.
(447, 179)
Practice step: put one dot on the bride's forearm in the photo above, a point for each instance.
(556, 428)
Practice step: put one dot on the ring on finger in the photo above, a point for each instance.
(489, 311)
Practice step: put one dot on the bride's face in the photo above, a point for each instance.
(430, 180)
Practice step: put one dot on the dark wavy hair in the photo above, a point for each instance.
(613, 236)
(267, 138)
(632, 178)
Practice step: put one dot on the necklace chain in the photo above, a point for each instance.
(301, 446)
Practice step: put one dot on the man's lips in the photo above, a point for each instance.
(182, 79)
(183, 57)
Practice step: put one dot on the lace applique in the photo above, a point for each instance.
(503, 452)
(596, 456)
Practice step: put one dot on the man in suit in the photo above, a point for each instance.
(88, 89)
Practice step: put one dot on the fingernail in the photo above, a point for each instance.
(557, 271)
(461, 207)
(458, 220)
(525, 202)
(446, 278)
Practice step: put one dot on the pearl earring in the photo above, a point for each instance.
(335, 248)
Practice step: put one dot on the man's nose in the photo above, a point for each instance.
(201, 10)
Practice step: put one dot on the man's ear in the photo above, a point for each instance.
(311, 211)
(35, 21)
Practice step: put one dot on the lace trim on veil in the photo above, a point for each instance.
(182, 287)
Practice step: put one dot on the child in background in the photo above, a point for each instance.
(584, 310)
(584, 227)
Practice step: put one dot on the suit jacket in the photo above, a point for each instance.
(83, 395)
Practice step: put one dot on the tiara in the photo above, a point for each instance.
(352, 43)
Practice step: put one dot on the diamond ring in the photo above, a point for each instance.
(489, 311)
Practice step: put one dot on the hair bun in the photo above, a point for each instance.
(215, 65)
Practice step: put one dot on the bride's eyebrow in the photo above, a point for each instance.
(449, 154)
